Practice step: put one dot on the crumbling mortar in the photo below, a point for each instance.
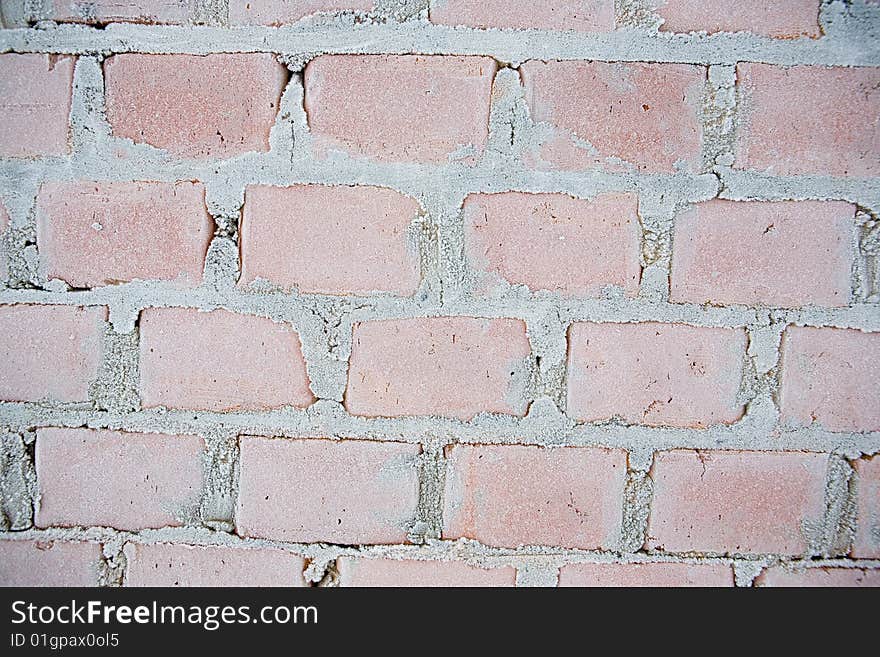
(18, 480)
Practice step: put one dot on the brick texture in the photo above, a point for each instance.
(219, 361)
(164, 564)
(114, 479)
(867, 538)
(321, 490)
(383, 107)
(161, 100)
(655, 374)
(272, 12)
(645, 575)
(49, 563)
(49, 352)
(783, 19)
(736, 502)
(391, 572)
(819, 577)
(516, 495)
(293, 237)
(456, 366)
(120, 11)
(106, 221)
(575, 15)
(35, 106)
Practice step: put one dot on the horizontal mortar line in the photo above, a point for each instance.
(139, 295)
(329, 420)
(467, 550)
(743, 184)
(422, 38)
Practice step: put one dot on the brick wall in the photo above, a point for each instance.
(352, 292)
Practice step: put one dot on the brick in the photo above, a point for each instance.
(736, 502)
(163, 101)
(799, 120)
(783, 19)
(867, 539)
(830, 377)
(349, 492)
(99, 12)
(49, 563)
(602, 113)
(128, 481)
(412, 108)
(402, 573)
(453, 366)
(512, 495)
(272, 12)
(92, 234)
(219, 361)
(594, 243)
(645, 575)
(655, 374)
(35, 93)
(49, 352)
(574, 15)
(163, 564)
(787, 254)
(331, 240)
(816, 577)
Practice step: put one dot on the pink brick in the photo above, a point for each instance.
(819, 577)
(509, 495)
(602, 113)
(128, 481)
(736, 502)
(575, 15)
(163, 564)
(92, 234)
(349, 492)
(408, 108)
(655, 374)
(332, 240)
(391, 572)
(453, 366)
(781, 19)
(800, 120)
(272, 12)
(49, 352)
(220, 361)
(34, 104)
(120, 11)
(594, 243)
(831, 377)
(645, 574)
(788, 254)
(49, 563)
(164, 101)
(867, 539)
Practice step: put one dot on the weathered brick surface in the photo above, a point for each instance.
(867, 539)
(641, 116)
(736, 502)
(272, 12)
(518, 495)
(819, 577)
(170, 12)
(798, 120)
(789, 254)
(106, 221)
(34, 104)
(645, 574)
(574, 15)
(595, 244)
(655, 374)
(116, 479)
(330, 240)
(347, 492)
(219, 361)
(163, 564)
(49, 563)
(456, 366)
(828, 377)
(392, 572)
(49, 352)
(161, 100)
(383, 107)
(783, 19)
